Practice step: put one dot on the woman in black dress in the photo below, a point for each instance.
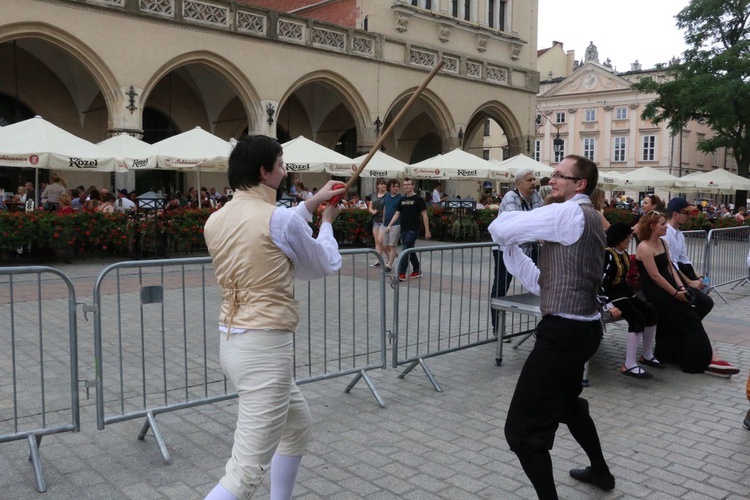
(680, 336)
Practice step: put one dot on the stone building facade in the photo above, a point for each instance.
(153, 68)
(598, 115)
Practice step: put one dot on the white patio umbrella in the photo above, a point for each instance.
(609, 179)
(520, 161)
(133, 151)
(381, 165)
(644, 177)
(195, 149)
(458, 164)
(303, 155)
(36, 143)
(717, 181)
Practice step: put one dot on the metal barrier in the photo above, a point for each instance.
(448, 308)
(159, 349)
(726, 257)
(696, 247)
(38, 359)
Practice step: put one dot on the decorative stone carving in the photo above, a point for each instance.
(450, 64)
(499, 75)
(572, 111)
(474, 69)
(445, 32)
(328, 38)
(592, 54)
(515, 51)
(633, 106)
(205, 13)
(249, 22)
(608, 108)
(158, 7)
(422, 58)
(362, 45)
(290, 30)
(482, 42)
(402, 22)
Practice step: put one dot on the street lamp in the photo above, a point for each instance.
(558, 144)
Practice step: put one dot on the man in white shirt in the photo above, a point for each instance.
(258, 250)
(568, 277)
(123, 203)
(678, 212)
(437, 195)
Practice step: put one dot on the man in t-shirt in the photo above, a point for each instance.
(410, 210)
(391, 232)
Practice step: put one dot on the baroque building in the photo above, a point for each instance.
(596, 114)
(336, 72)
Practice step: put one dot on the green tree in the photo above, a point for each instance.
(711, 84)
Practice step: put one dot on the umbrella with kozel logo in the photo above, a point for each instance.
(36, 143)
(303, 155)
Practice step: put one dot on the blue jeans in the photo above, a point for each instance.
(408, 239)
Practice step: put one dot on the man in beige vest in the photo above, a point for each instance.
(567, 279)
(257, 251)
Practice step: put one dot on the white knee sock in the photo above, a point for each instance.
(648, 341)
(220, 493)
(631, 350)
(283, 474)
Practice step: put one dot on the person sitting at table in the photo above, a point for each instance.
(93, 201)
(21, 195)
(65, 207)
(108, 203)
(623, 303)
(53, 191)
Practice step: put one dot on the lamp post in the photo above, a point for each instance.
(558, 144)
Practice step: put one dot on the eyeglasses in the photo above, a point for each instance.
(558, 175)
(684, 212)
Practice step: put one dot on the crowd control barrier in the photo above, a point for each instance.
(448, 308)
(38, 358)
(156, 351)
(726, 257)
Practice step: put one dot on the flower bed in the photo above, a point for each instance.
(81, 234)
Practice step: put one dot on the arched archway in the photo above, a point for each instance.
(493, 132)
(59, 77)
(324, 106)
(424, 131)
(218, 96)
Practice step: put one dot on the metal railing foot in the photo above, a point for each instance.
(427, 372)
(363, 375)
(151, 423)
(34, 442)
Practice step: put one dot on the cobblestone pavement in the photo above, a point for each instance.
(675, 436)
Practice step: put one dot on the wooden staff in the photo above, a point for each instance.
(387, 131)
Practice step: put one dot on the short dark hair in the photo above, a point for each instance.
(391, 182)
(586, 170)
(250, 154)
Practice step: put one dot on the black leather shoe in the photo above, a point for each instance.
(585, 476)
(746, 423)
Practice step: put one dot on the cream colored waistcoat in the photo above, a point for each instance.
(256, 277)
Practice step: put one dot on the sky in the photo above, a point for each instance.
(622, 31)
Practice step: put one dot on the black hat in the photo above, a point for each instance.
(678, 205)
(617, 232)
(123, 191)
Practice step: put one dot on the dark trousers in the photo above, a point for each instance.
(500, 283)
(637, 313)
(547, 393)
(703, 303)
(409, 239)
